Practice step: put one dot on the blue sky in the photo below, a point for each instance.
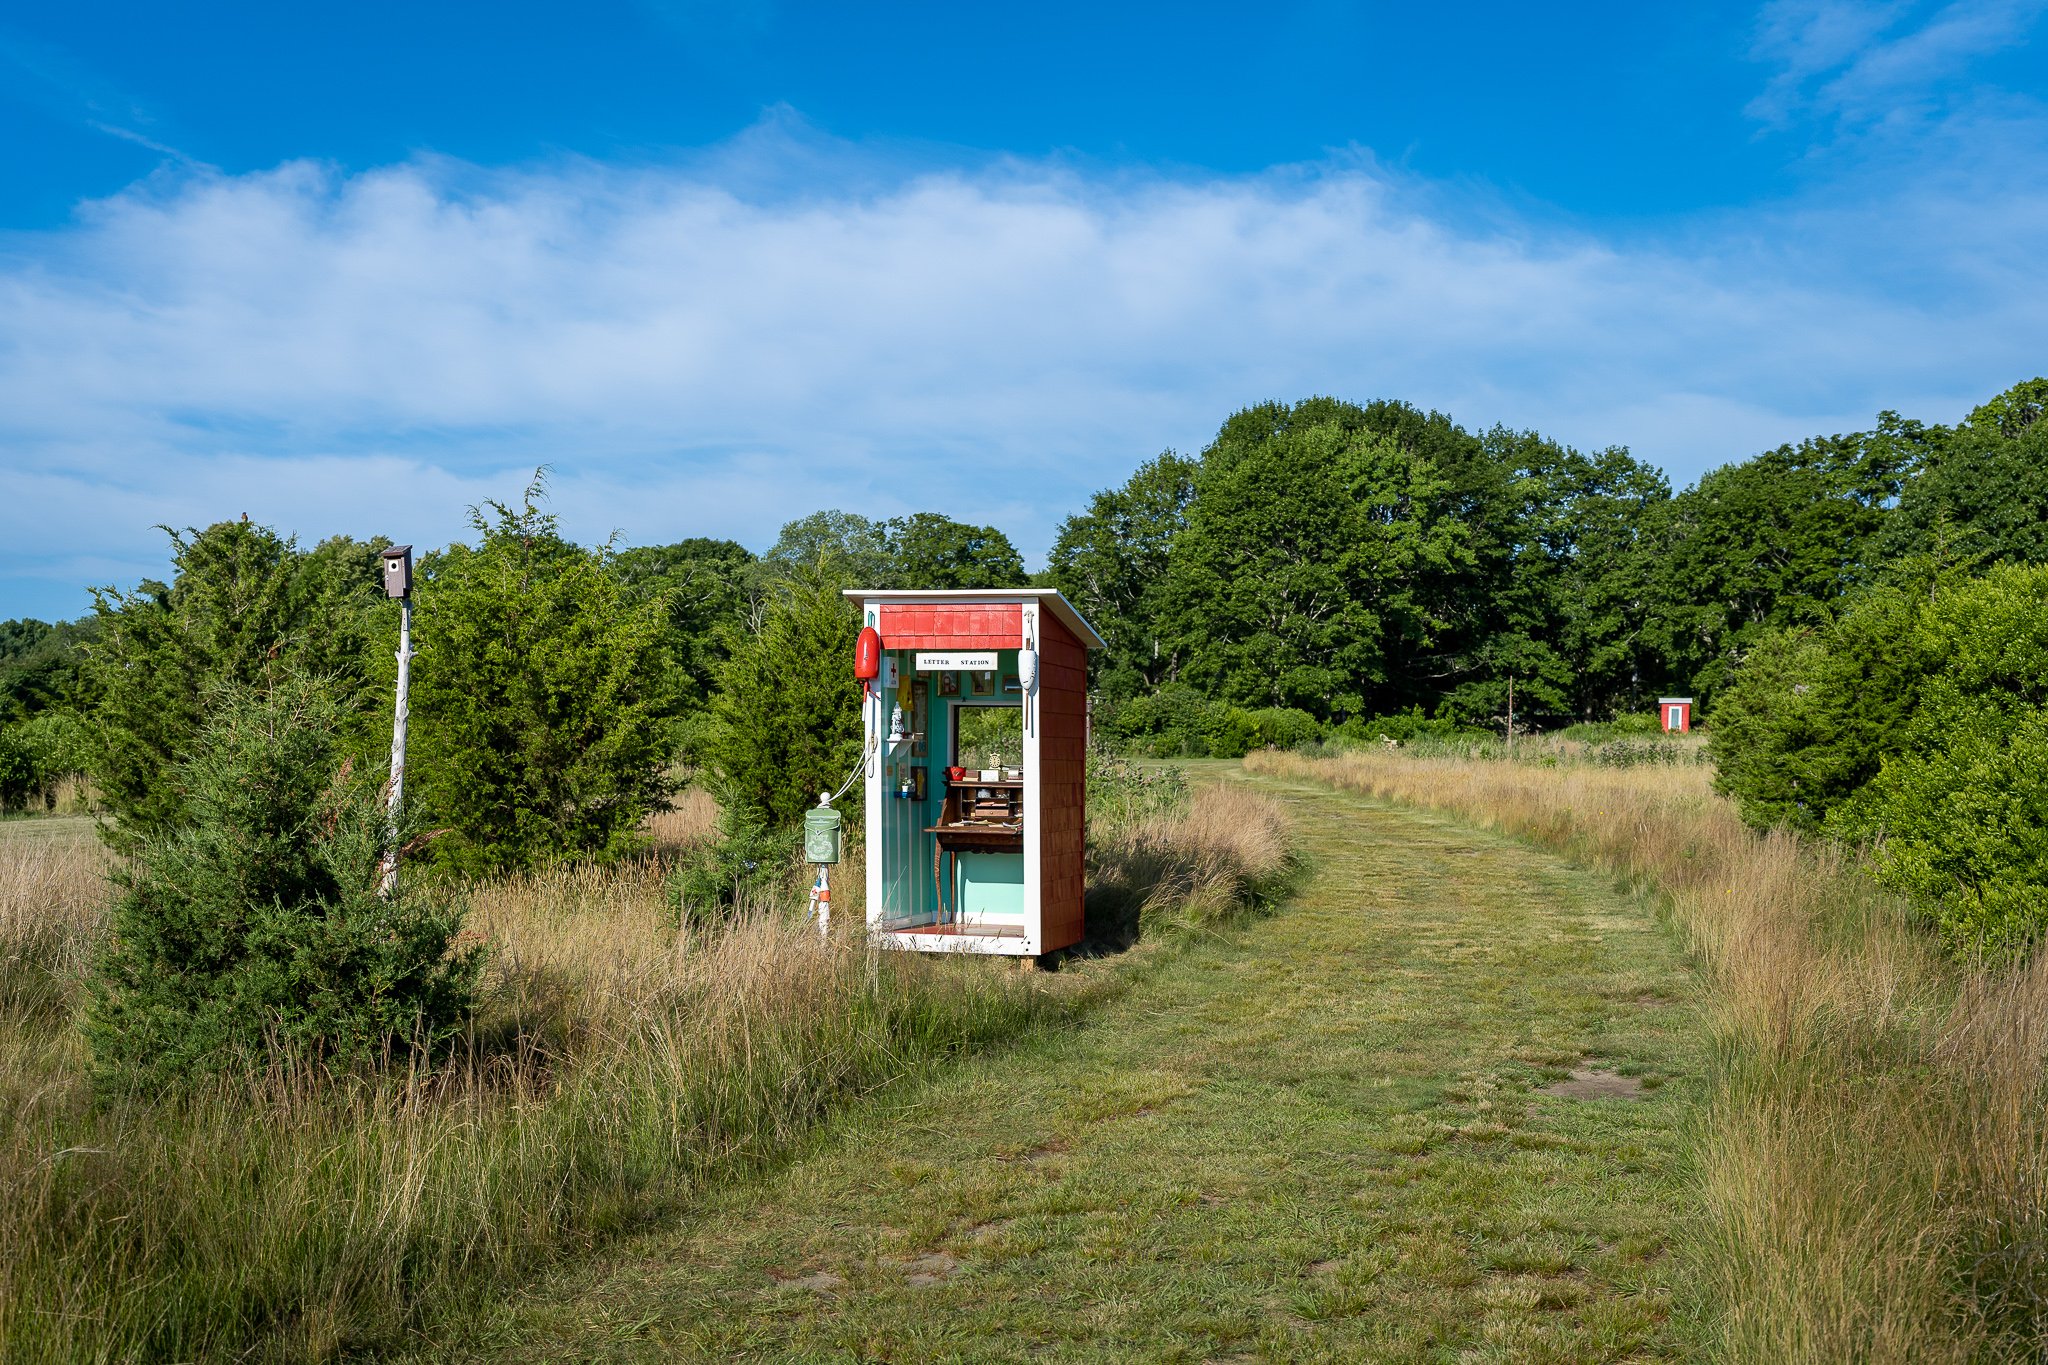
(353, 268)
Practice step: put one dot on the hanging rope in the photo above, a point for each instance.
(859, 770)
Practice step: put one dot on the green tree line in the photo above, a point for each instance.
(1323, 565)
(1352, 562)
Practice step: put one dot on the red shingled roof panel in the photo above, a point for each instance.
(952, 625)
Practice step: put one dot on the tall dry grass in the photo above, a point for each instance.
(690, 818)
(1190, 864)
(1875, 1158)
(53, 909)
(617, 1062)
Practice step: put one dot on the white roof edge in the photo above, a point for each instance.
(1662, 700)
(1051, 598)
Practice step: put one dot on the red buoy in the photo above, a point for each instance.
(867, 654)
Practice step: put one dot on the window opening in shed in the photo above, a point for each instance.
(988, 736)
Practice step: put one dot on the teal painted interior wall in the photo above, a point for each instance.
(992, 885)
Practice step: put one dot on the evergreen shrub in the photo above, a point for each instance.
(252, 934)
(785, 722)
(1914, 728)
(543, 698)
(745, 858)
(1812, 713)
(243, 601)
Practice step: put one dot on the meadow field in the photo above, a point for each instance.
(1860, 1177)
(1873, 1155)
(618, 1062)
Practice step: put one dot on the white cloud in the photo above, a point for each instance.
(701, 349)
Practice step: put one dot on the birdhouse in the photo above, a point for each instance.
(1676, 714)
(398, 571)
(977, 793)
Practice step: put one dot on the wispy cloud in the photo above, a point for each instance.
(1864, 63)
(48, 78)
(716, 347)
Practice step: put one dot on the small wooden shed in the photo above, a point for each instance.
(977, 791)
(1675, 714)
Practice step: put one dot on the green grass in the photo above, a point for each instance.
(1318, 1137)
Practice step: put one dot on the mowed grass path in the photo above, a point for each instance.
(1318, 1138)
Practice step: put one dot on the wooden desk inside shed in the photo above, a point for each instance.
(981, 817)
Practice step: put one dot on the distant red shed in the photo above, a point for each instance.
(1676, 713)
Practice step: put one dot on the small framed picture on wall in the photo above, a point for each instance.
(983, 681)
(949, 684)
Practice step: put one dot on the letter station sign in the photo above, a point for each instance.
(950, 661)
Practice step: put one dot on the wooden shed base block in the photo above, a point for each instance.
(1001, 940)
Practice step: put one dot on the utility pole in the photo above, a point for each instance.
(398, 584)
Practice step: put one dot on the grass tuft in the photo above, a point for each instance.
(53, 908)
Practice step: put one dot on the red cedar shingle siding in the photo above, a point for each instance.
(952, 625)
(1062, 783)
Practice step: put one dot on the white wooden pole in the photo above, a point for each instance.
(398, 719)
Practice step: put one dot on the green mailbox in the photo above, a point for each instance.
(821, 835)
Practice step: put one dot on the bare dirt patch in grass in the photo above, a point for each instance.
(1595, 1083)
(934, 1267)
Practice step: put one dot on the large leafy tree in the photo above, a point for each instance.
(1608, 502)
(541, 697)
(1111, 562)
(1778, 540)
(922, 550)
(243, 602)
(1982, 497)
(927, 550)
(854, 546)
(1503, 647)
(1309, 563)
(708, 585)
(42, 666)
